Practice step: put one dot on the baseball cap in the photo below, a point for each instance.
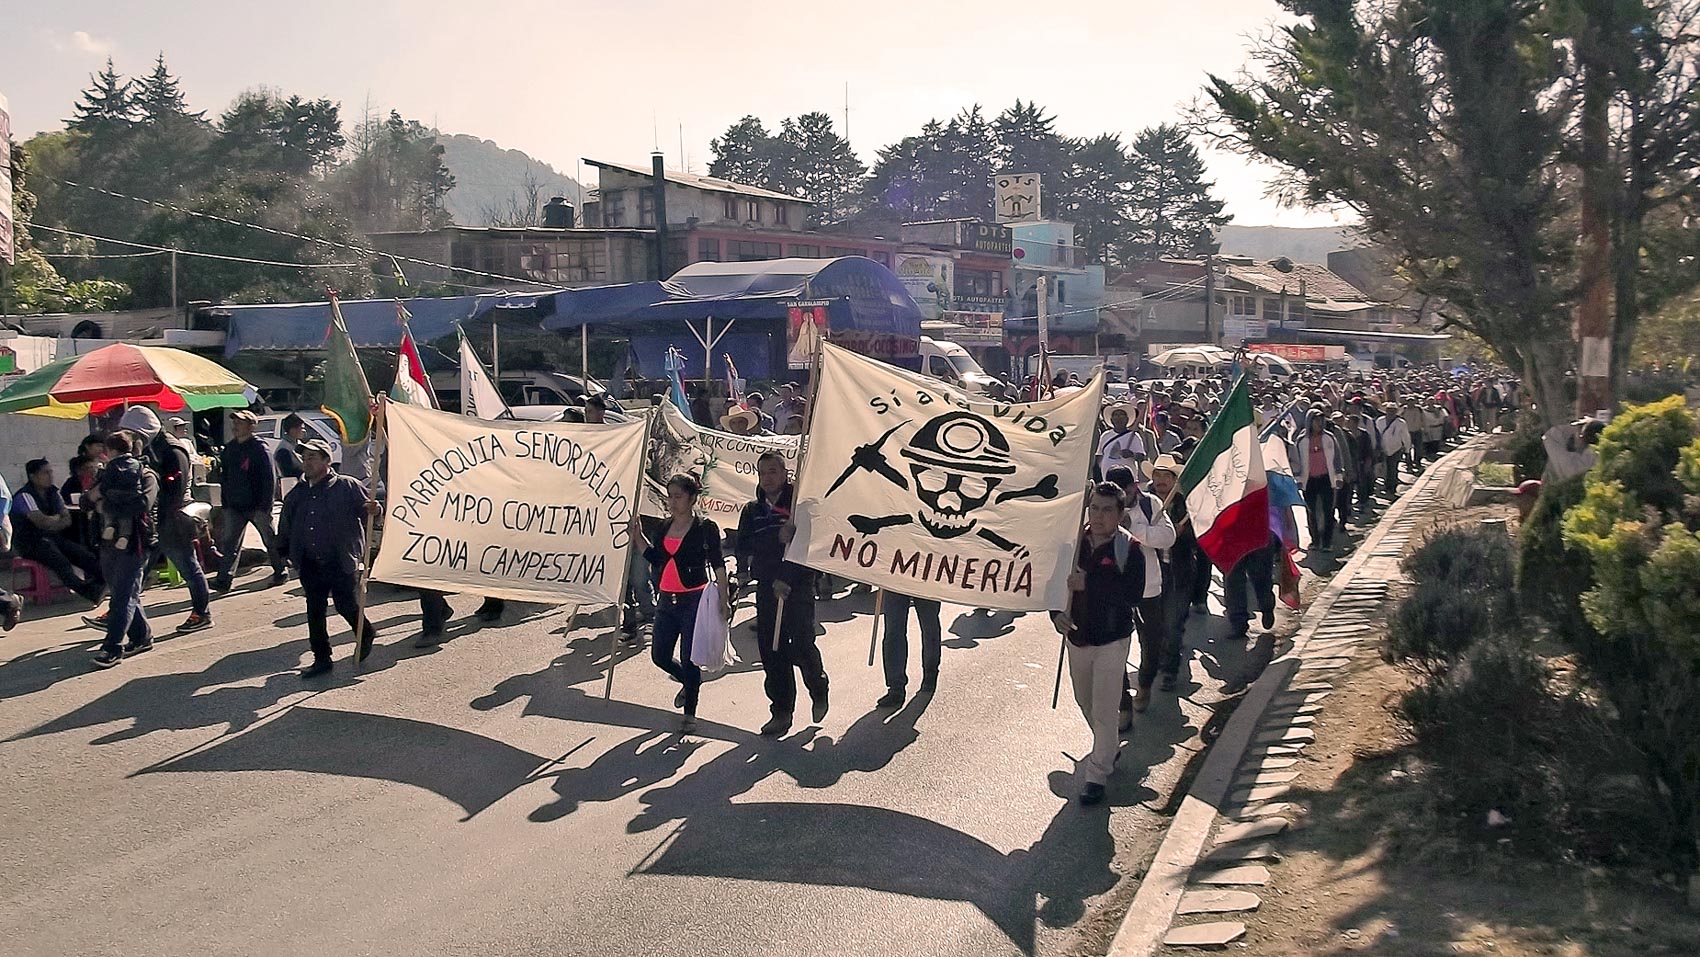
(315, 445)
(244, 415)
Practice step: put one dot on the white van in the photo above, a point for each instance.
(949, 362)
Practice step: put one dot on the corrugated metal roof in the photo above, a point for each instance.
(694, 181)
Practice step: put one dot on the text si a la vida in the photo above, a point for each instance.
(1015, 414)
(608, 513)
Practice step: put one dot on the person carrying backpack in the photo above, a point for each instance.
(127, 496)
(172, 462)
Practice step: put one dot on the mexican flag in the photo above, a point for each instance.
(1226, 489)
(348, 399)
(411, 385)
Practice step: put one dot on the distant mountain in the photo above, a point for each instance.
(487, 177)
(1303, 245)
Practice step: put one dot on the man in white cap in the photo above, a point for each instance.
(740, 421)
(250, 487)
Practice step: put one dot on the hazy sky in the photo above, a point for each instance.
(599, 77)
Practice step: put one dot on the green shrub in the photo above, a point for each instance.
(1637, 522)
(1553, 574)
(1473, 558)
(1435, 626)
(1462, 595)
(1528, 455)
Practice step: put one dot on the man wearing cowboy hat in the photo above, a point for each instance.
(1120, 444)
(740, 421)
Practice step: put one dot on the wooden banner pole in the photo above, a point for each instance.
(376, 433)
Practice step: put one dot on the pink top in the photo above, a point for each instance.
(1318, 459)
(670, 582)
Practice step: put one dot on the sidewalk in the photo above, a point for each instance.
(1206, 869)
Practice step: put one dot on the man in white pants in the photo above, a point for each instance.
(1104, 587)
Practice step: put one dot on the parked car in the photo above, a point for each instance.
(563, 413)
(319, 426)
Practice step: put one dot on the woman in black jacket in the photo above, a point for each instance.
(684, 557)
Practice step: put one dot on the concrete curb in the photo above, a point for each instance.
(1155, 904)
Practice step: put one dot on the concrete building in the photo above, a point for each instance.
(1074, 296)
(542, 255)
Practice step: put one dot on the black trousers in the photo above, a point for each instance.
(1178, 575)
(894, 648)
(434, 611)
(324, 582)
(1253, 577)
(66, 558)
(1392, 463)
(797, 650)
(1151, 624)
(1319, 509)
(1343, 501)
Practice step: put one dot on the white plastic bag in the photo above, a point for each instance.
(711, 645)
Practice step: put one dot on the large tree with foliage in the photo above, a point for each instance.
(1095, 192)
(1171, 210)
(746, 153)
(806, 158)
(396, 178)
(1467, 136)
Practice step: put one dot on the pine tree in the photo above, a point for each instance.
(819, 165)
(108, 106)
(1028, 142)
(1172, 211)
(745, 154)
(159, 96)
(1095, 192)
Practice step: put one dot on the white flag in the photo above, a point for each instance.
(521, 510)
(478, 395)
(913, 485)
(724, 463)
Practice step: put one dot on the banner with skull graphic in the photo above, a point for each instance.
(912, 485)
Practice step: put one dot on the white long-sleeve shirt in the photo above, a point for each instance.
(1150, 533)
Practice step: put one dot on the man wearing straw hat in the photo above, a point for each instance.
(1120, 444)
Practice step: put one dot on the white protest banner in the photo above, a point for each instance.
(522, 510)
(912, 485)
(724, 463)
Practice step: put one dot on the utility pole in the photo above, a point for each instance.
(174, 279)
(1044, 323)
(1209, 297)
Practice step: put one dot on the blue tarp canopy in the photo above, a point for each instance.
(372, 323)
(868, 310)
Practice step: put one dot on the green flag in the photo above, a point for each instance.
(348, 399)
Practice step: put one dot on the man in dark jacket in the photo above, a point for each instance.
(127, 494)
(324, 524)
(1098, 625)
(42, 528)
(250, 487)
(172, 463)
(764, 529)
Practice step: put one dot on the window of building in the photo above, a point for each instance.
(614, 208)
(978, 283)
(781, 214)
(835, 252)
(804, 250)
(729, 206)
(1062, 292)
(744, 251)
(708, 250)
(1242, 306)
(752, 211)
(646, 208)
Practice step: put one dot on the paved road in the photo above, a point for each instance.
(484, 798)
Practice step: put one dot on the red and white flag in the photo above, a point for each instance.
(411, 384)
(1227, 494)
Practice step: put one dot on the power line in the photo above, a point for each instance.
(191, 252)
(156, 252)
(362, 250)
